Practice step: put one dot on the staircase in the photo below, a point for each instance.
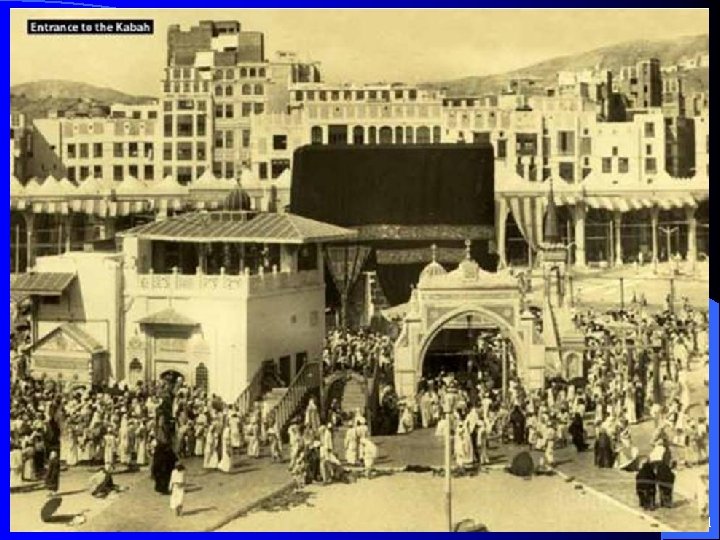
(354, 396)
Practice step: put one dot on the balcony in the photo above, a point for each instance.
(220, 285)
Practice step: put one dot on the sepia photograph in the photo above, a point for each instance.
(346, 270)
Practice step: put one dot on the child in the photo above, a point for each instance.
(177, 488)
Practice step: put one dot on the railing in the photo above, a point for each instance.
(372, 402)
(307, 380)
(252, 392)
(223, 283)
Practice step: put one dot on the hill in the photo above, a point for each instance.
(38, 97)
(611, 57)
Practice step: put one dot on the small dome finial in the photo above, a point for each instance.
(433, 250)
(468, 243)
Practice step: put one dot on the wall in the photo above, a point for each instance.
(93, 300)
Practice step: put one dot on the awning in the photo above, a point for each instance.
(168, 317)
(40, 283)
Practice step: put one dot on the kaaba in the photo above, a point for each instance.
(401, 199)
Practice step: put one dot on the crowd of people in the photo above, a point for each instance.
(636, 367)
(357, 350)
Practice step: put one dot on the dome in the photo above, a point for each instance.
(434, 268)
(468, 268)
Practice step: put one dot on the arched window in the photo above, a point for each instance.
(358, 135)
(316, 135)
(246, 89)
(135, 372)
(252, 72)
(259, 90)
(229, 90)
(243, 72)
(372, 135)
(436, 134)
(201, 377)
(229, 75)
(423, 135)
(385, 135)
(409, 139)
(398, 135)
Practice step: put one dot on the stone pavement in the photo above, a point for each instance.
(211, 499)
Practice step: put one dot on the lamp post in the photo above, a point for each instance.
(449, 406)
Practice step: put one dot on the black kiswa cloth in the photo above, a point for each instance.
(394, 184)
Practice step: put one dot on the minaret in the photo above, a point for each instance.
(554, 253)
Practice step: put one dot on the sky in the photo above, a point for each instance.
(351, 45)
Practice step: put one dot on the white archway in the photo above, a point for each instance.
(505, 329)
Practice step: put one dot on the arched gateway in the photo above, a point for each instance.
(442, 298)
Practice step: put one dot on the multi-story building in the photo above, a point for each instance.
(21, 150)
(108, 148)
(642, 84)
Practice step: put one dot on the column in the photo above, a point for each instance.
(692, 236)
(30, 240)
(500, 235)
(288, 258)
(579, 214)
(67, 227)
(654, 217)
(617, 218)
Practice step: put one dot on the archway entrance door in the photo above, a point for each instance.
(470, 353)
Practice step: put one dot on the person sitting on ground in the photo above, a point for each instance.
(102, 484)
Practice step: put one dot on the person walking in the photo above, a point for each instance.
(177, 489)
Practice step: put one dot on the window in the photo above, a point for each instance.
(118, 150)
(97, 171)
(84, 151)
(398, 94)
(258, 90)
(258, 108)
(298, 95)
(614, 151)
(201, 377)
(311, 95)
(71, 174)
(359, 95)
(650, 165)
(168, 126)
(185, 105)
(623, 165)
(200, 152)
(316, 135)
(566, 142)
(201, 105)
(133, 149)
(358, 135)
(649, 129)
(423, 135)
(322, 95)
(184, 125)
(201, 122)
(246, 109)
(277, 166)
(372, 135)
(567, 171)
(648, 149)
(335, 95)
(97, 150)
(229, 139)
(149, 172)
(149, 150)
(152, 115)
(184, 175)
(246, 138)
(167, 151)
(229, 112)
(117, 173)
(71, 151)
(167, 106)
(337, 134)
(386, 135)
(436, 134)
(263, 171)
(279, 142)
(229, 90)
(217, 169)
(252, 72)
(133, 171)
(607, 165)
(229, 170)
(218, 111)
(246, 89)
(502, 148)
(219, 139)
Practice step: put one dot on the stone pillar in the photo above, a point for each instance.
(500, 235)
(617, 218)
(67, 227)
(288, 258)
(654, 218)
(30, 240)
(579, 214)
(692, 237)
